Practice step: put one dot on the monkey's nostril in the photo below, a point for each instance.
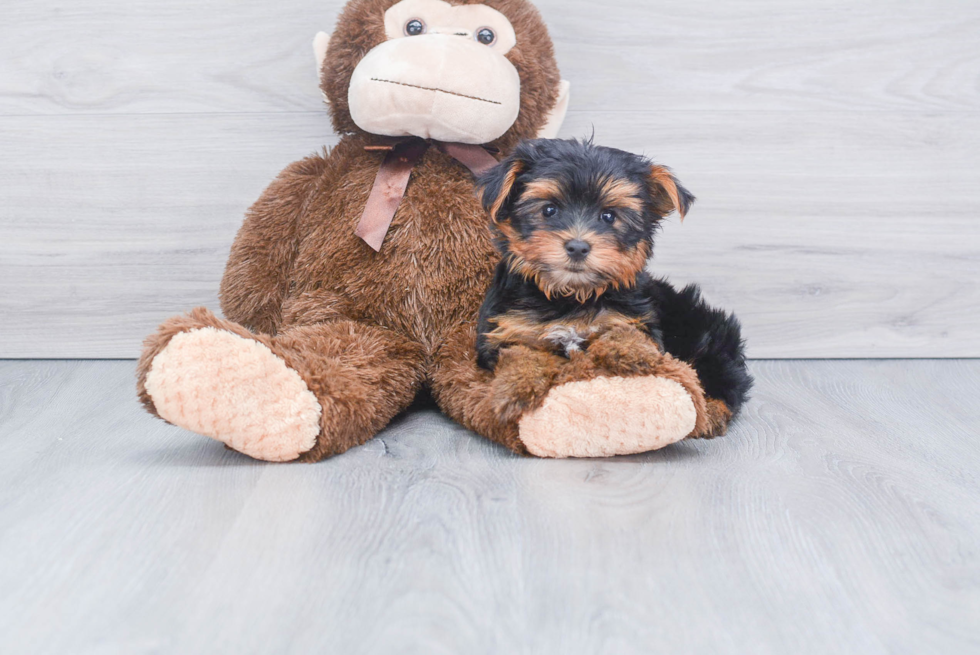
(577, 249)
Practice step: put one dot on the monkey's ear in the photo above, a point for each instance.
(497, 185)
(320, 44)
(668, 194)
(557, 116)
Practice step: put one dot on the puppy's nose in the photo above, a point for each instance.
(577, 250)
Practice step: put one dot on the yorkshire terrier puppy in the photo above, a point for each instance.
(575, 224)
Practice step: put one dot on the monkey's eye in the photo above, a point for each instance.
(486, 36)
(414, 27)
(549, 211)
(608, 217)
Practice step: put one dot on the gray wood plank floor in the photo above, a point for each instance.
(834, 147)
(842, 515)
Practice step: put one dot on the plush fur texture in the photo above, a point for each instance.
(635, 415)
(365, 331)
(524, 377)
(575, 224)
(237, 391)
(363, 375)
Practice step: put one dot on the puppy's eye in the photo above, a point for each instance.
(608, 217)
(414, 27)
(486, 36)
(549, 211)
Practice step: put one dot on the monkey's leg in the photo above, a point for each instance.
(306, 394)
(584, 406)
(468, 394)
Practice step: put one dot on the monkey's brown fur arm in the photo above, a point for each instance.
(256, 278)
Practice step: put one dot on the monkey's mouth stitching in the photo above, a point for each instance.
(426, 88)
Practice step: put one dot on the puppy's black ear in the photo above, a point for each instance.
(497, 185)
(668, 194)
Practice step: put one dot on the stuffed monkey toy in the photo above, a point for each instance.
(357, 277)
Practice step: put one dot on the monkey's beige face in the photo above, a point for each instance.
(441, 75)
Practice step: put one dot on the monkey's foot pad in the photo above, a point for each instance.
(237, 391)
(609, 416)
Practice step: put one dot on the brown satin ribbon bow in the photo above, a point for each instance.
(392, 181)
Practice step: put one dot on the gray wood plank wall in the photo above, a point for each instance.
(835, 147)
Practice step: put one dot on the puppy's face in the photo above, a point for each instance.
(578, 219)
